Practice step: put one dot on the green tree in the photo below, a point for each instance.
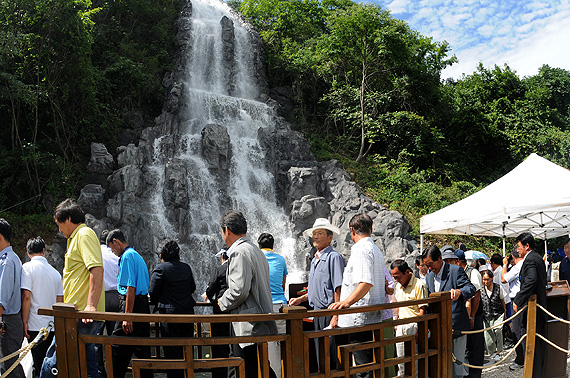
(371, 61)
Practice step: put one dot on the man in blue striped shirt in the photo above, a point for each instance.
(12, 331)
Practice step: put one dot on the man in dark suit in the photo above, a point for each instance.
(533, 281)
(446, 277)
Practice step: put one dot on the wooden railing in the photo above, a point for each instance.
(433, 354)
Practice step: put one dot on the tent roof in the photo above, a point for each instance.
(533, 197)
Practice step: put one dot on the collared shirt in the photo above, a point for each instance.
(111, 267)
(83, 253)
(513, 278)
(325, 276)
(277, 271)
(366, 264)
(44, 284)
(132, 272)
(233, 247)
(437, 278)
(416, 289)
(10, 277)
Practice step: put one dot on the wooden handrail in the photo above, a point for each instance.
(224, 318)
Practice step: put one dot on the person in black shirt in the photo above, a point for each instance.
(216, 288)
(171, 288)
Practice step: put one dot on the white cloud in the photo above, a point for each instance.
(526, 35)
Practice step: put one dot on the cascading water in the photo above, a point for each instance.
(220, 89)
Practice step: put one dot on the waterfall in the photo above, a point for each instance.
(220, 91)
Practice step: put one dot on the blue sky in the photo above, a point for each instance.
(523, 34)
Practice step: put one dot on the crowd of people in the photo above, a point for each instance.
(105, 273)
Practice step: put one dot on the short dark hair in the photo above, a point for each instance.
(234, 221)
(526, 238)
(361, 224)
(168, 249)
(515, 252)
(402, 266)
(35, 245)
(488, 273)
(103, 237)
(419, 260)
(433, 252)
(5, 229)
(496, 259)
(69, 209)
(265, 240)
(566, 241)
(115, 234)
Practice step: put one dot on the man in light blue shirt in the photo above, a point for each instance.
(132, 285)
(12, 331)
(277, 276)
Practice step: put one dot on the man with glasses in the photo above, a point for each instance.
(533, 281)
(325, 278)
(448, 277)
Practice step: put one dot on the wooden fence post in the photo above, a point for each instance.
(530, 336)
(445, 338)
(294, 362)
(67, 340)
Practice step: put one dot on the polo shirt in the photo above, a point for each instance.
(44, 284)
(366, 264)
(416, 289)
(10, 276)
(277, 271)
(83, 253)
(132, 272)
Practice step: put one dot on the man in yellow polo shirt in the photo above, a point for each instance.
(82, 273)
(407, 288)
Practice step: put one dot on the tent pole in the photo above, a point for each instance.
(421, 243)
(504, 241)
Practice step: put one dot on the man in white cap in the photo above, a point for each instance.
(325, 278)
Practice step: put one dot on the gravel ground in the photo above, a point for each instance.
(502, 370)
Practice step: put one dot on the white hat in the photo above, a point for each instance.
(322, 224)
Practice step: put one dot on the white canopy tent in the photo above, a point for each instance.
(533, 197)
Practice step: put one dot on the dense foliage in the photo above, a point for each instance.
(73, 72)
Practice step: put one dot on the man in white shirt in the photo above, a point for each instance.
(363, 284)
(512, 277)
(41, 287)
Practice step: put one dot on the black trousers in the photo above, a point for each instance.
(539, 346)
(39, 351)
(476, 348)
(175, 330)
(362, 356)
(122, 354)
(320, 324)
(220, 351)
(249, 355)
